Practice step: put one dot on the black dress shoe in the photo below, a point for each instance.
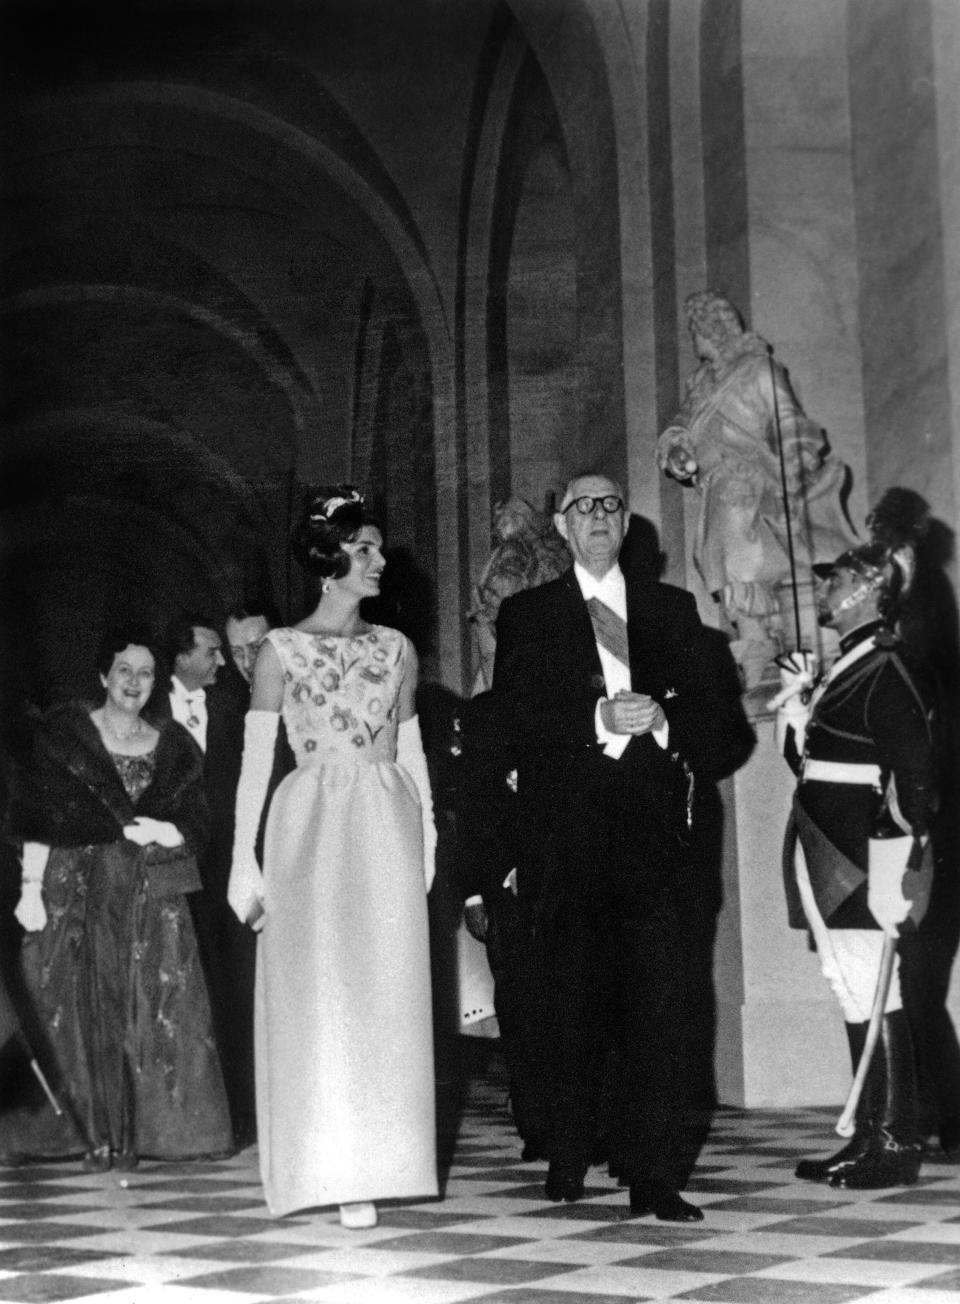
(563, 1185)
(663, 1202)
(821, 1170)
(885, 1163)
(950, 1137)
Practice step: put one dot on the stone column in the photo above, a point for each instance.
(780, 1035)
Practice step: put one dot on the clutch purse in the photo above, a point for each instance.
(171, 871)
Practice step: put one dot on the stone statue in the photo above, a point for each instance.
(526, 551)
(724, 442)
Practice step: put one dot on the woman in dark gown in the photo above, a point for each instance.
(109, 811)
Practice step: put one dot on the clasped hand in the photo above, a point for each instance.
(632, 713)
(145, 830)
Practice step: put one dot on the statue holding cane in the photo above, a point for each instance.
(858, 862)
(770, 492)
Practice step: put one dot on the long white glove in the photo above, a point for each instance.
(797, 676)
(245, 889)
(31, 913)
(145, 830)
(410, 755)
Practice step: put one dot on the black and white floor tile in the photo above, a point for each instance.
(200, 1234)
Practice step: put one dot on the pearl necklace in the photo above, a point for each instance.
(135, 732)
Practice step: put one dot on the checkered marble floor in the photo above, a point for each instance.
(200, 1234)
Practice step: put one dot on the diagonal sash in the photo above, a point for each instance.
(610, 630)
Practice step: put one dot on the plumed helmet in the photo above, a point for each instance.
(897, 525)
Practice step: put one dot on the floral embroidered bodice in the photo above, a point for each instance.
(136, 772)
(340, 698)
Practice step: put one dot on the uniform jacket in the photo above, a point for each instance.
(874, 711)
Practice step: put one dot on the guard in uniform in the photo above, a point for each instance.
(858, 863)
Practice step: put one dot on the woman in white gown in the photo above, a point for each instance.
(343, 1025)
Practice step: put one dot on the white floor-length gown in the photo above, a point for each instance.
(344, 1044)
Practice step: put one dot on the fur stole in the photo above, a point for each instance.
(66, 792)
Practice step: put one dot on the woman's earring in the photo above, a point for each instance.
(325, 586)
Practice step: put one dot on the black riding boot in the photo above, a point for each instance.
(892, 1156)
(866, 1118)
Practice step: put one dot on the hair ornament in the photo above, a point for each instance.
(349, 498)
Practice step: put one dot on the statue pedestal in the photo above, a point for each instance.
(780, 1033)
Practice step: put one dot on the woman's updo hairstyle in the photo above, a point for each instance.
(119, 638)
(133, 634)
(331, 518)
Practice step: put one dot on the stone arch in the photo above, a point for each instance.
(291, 151)
(266, 355)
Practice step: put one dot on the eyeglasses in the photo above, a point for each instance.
(586, 505)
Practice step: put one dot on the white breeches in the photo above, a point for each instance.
(849, 957)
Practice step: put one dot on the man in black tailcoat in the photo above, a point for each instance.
(617, 710)
(487, 844)
(214, 720)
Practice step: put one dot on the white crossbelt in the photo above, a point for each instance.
(841, 772)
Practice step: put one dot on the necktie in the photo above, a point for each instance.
(193, 720)
(610, 630)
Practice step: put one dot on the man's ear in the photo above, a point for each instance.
(626, 520)
(560, 523)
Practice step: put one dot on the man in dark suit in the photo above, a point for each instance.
(246, 626)
(227, 949)
(618, 710)
(487, 846)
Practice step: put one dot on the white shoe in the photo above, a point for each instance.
(356, 1216)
